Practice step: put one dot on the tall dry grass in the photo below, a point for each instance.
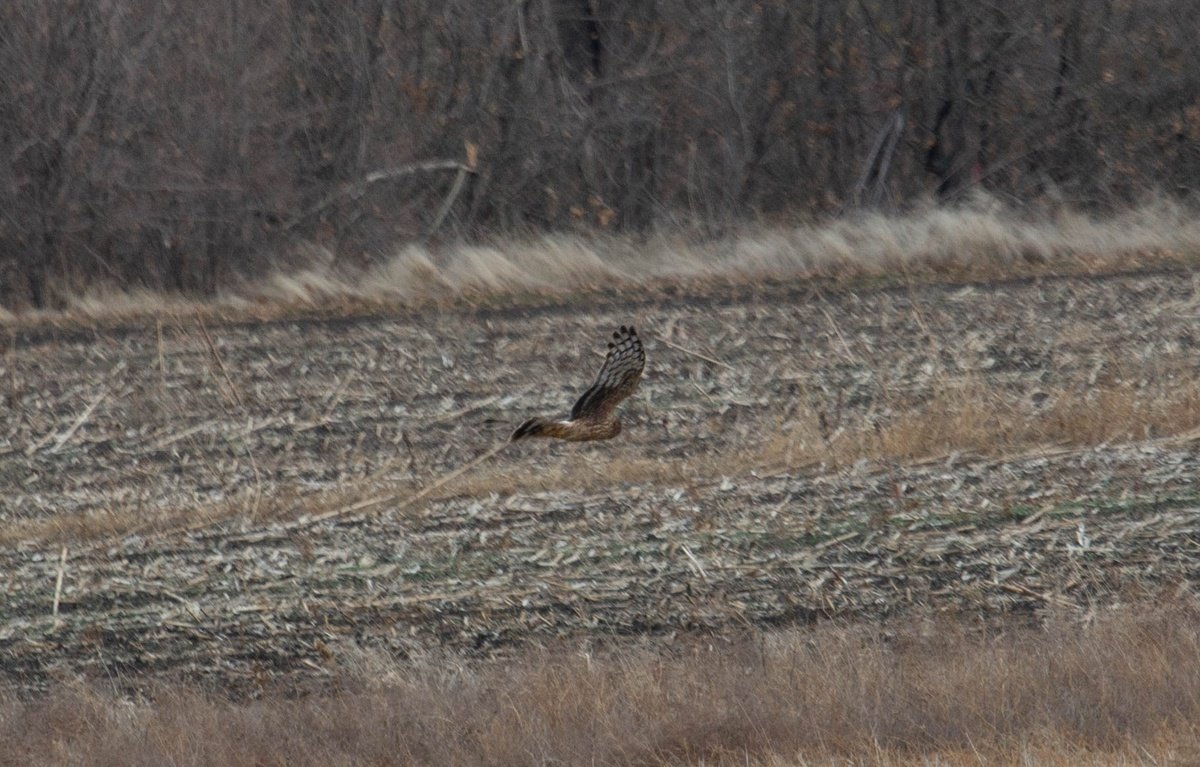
(985, 235)
(983, 239)
(1122, 689)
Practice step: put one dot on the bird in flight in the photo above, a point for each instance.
(592, 417)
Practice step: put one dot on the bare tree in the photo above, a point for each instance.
(184, 146)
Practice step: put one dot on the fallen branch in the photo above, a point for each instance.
(1014, 588)
(62, 438)
(87, 412)
(358, 188)
(448, 203)
(697, 355)
(695, 562)
(389, 497)
(879, 161)
(212, 350)
(58, 582)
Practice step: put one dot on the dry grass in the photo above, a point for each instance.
(1122, 688)
(982, 240)
(970, 416)
(954, 416)
(275, 605)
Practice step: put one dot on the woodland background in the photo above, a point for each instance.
(183, 146)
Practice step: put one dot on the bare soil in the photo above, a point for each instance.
(247, 504)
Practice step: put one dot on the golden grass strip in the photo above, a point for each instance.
(979, 240)
(1120, 689)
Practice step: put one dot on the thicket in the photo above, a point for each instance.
(181, 145)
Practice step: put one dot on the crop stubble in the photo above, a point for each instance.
(794, 454)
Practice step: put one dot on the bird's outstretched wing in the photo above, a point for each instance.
(617, 378)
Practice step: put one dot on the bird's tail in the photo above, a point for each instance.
(533, 427)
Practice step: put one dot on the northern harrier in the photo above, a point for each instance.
(592, 417)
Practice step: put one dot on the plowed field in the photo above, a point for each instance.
(242, 503)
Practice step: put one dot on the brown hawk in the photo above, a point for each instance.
(592, 417)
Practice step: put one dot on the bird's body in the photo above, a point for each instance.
(592, 416)
(570, 430)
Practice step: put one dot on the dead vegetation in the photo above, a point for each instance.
(155, 427)
(981, 240)
(260, 509)
(1115, 689)
(188, 167)
(237, 499)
